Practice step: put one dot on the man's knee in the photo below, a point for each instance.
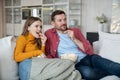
(87, 72)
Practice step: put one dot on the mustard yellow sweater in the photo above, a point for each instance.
(26, 48)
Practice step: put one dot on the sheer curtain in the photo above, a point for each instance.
(1, 19)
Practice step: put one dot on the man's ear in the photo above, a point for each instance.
(52, 23)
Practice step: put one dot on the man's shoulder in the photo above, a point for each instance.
(49, 31)
(75, 28)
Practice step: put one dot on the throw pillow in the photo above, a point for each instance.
(8, 67)
(104, 35)
(110, 46)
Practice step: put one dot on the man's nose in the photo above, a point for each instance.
(64, 22)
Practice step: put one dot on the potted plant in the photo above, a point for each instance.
(102, 20)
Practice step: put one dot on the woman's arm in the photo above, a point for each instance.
(19, 54)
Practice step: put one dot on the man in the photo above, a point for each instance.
(62, 40)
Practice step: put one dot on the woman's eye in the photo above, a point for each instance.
(59, 20)
(36, 26)
(40, 27)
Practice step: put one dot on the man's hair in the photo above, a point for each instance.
(56, 12)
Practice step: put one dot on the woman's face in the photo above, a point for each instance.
(35, 28)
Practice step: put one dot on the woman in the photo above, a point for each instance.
(31, 43)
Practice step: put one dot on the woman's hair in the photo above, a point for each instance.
(28, 22)
(56, 12)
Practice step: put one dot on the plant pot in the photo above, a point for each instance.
(103, 27)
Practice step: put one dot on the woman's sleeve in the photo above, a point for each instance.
(43, 49)
(19, 54)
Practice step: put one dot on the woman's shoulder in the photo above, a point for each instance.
(21, 38)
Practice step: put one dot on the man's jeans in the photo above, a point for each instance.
(24, 69)
(95, 67)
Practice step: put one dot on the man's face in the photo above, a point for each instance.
(60, 22)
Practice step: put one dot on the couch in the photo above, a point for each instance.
(8, 67)
(107, 44)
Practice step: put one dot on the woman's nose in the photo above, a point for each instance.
(39, 28)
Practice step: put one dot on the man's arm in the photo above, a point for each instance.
(88, 49)
(47, 46)
(84, 45)
(74, 39)
(79, 44)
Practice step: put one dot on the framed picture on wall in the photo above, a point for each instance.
(115, 24)
(26, 13)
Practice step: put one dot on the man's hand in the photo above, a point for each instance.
(70, 34)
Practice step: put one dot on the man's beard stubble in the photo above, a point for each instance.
(64, 27)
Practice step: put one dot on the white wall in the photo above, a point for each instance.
(91, 9)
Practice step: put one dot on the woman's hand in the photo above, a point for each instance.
(42, 55)
(43, 38)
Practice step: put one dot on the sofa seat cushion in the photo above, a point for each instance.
(112, 77)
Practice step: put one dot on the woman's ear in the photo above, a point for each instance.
(28, 28)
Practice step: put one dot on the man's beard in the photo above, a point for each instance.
(63, 27)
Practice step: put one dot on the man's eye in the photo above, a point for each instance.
(59, 20)
(40, 26)
(64, 19)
